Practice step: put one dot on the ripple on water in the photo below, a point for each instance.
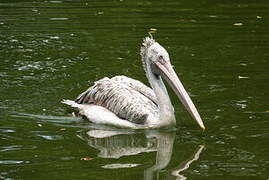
(55, 1)
(216, 88)
(7, 131)
(242, 104)
(51, 137)
(58, 19)
(15, 147)
(117, 166)
(12, 162)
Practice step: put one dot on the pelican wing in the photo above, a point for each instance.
(138, 86)
(121, 98)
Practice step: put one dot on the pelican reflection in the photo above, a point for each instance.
(115, 144)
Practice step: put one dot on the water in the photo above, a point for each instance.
(51, 50)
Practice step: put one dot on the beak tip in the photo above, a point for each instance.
(201, 124)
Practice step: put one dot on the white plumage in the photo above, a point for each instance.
(124, 102)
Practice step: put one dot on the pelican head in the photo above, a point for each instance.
(156, 63)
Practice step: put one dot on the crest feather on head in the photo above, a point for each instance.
(147, 42)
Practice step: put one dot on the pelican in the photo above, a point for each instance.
(127, 103)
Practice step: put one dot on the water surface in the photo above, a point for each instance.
(51, 50)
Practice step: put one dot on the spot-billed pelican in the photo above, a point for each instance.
(124, 102)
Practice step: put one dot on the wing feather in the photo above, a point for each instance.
(121, 98)
(138, 86)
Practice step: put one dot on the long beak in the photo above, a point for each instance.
(173, 80)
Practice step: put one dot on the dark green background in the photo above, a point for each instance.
(51, 50)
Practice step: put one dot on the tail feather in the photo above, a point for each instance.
(71, 103)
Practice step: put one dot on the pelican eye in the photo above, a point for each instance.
(161, 59)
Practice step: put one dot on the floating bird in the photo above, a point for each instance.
(124, 102)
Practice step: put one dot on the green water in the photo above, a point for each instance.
(53, 50)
